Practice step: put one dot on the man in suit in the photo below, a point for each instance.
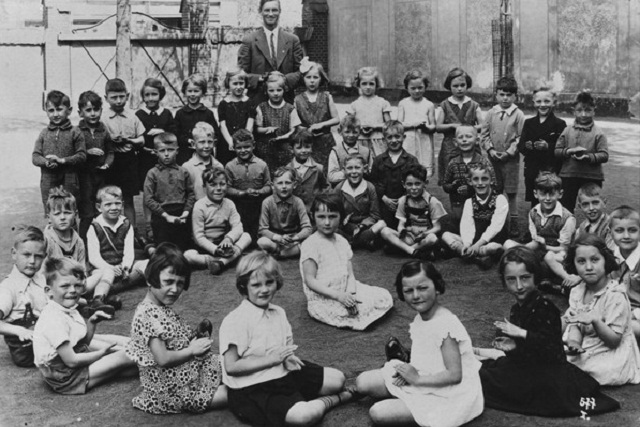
(270, 49)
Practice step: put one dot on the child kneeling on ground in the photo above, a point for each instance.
(70, 361)
(284, 222)
(483, 225)
(216, 224)
(268, 384)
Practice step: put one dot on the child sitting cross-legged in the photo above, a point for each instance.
(483, 224)
(311, 178)
(203, 142)
(22, 295)
(362, 224)
(268, 385)
(178, 370)
(334, 296)
(625, 229)
(284, 222)
(217, 228)
(418, 215)
(68, 357)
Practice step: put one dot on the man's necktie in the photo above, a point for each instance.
(273, 51)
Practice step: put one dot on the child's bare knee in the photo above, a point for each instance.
(305, 413)
(378, 412)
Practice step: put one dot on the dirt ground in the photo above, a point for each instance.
(477, 297)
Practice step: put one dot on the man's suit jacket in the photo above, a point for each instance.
(254, 58)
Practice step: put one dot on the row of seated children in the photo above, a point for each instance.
(180, 373)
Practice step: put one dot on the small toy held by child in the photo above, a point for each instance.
(311, 179)
(235, 112)
(267, 383)
(69, 358)
(530, 374)
(388, 170)
(334, 296)
(284, 222)
(418, 116)
(538, 140)
(92, 174)
(168, 194)
(483, 225)
(597, 324)
(316, 110)
(59, 149)
(203, 142)
(178, 370)
(625, 229)
(418, 215)
(350, 131)
(583, 148)
(439, 385)
(217, 227)
(372, 110)
(458, 109)
(276, 121)
(362, 223)
(22, 296)
(249, 181)
(500, 136)
(194, 89)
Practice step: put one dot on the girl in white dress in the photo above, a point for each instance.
(334, 296)
(440, 387)
(418, 116)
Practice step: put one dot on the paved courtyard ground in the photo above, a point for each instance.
(477, 297)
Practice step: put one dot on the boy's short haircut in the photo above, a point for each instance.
(284, 170)
(354, 156)
(301, 137)
(235, 72)
(416, 171)
(156, 84)
(625, 212)
(57, 98)
(242, 135)
(350, 121)
(89, 97)
(167, 255)
(393, 125)
(108, 190)
(60, 199)
(273, 77)
(210, 175)
(197, 80)
(28, 233)
(259, 263)
(585, 98)
(166, 138)
(476, 167)
(115, 85)
(545, 88)
(461, 127)
(507, 84)
(415, 75)
(55, 267)
(548, 181)
(590, 189)
(455, 73)
(203, 129)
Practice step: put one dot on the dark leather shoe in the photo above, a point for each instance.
(395, 350)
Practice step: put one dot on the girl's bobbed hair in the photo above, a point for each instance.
(521, 255)
(275, 77)
(589, 239)
(415, 75)
(167, 255)
(413, 268)
(455, 73)
(331, 202)
(368, 72)
(306, 66)
(156, 84)
(233, 73)
(261, 263)
(197, 80)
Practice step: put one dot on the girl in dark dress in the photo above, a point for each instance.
(534, 377)
(235, 111)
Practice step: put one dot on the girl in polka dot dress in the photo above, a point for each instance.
(178, 371)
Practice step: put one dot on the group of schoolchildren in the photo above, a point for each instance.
(292, 191)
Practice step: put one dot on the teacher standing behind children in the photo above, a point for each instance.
(270, 49)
